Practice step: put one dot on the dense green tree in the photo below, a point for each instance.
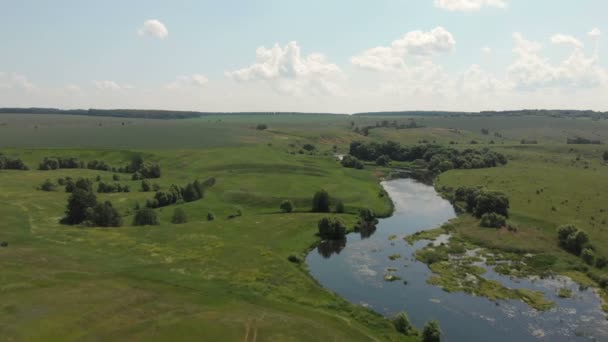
(351, 162)
(383, 160)
(403, 325)
(261, 127)
(179, 216)
(309, 147)
(588, 256)
(48, 186)
(331, 229)
(339, 207)
(572, 239)
(493, 220)
(115, 177)
(320, 202)
(145, 186)
(431, 332)
(103, 215)
(145, 217)
(286, 206)
(78, 203)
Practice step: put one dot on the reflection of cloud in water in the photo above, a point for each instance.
(415, 198)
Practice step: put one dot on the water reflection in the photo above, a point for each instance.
(328, 248)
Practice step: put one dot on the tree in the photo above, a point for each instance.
(309, 147)
(588, 256)
(351, 162)
(286, 206)
(179, 216)
(339, 207)
(145, 186)
(431, 332)
(48, 186)
(320, 202)
(261, 127)
(493, 220)
(115, 177)
(145, 217)
(491, 202)
(572, 239)
(78, 203)
(605, 156)
(403, 325)
(383, 160)
(210, 216)
(103, 215)
(331, 229)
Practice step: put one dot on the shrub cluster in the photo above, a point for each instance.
(111, 188)
(320, 202)
(81, 183)
(7, 163)
(437, 158)
(351, 162)
(480, 201)
(83, 208)
(572, 239)
(190, 193)
(493, 220)
(331, 229)
(59, 163)
(145, 217)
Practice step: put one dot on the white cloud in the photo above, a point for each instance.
(288, 72)
(188, 81)
(564, 39)
(595, 33)
(486, 50)
(153, 28)
(469, 5)
(531, 71)
(110, 85)
(414, 43)
(12, 80)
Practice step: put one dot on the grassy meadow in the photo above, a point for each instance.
(230, 279)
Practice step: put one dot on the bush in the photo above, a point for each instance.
(351, 162)
(78, 204)
(339, 207)
(145, 186)
(403, 325)
(145, 217)
(210, 216)
(7, 163)
(572, 239)
(103, 215)
(261, 127)
(588, 256)
(320, 202)
(605, 156)
(601, 262)
(383, 160)
(493, 220)
(179, 216)
(286, 206)
(309, 147)
(294, 259)
(431, 332)
(331, 229)
(48, 186)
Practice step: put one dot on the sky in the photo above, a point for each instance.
(339, 56)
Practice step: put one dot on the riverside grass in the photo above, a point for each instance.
(231, 279)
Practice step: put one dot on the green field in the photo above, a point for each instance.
(229, 279)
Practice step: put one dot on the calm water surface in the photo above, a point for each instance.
(355, 269)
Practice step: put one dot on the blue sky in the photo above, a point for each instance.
(201, 55)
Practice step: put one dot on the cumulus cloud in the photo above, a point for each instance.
(564, 39)
(486, 50)
(289, 72)
(153, 28)
(414, 43)
(12, 80)
(531, 71)
(106, 85)
(595, 33)
(469, 5)
(188, 81)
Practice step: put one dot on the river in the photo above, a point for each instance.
(356, 269)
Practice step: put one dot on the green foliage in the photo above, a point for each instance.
(572, 239)
(605, 156)
(48, 185)
(588, 256)
(309, 147)
(403, 325)
(320, 202)
(179, 216)
(210, 216)
(261, 127)
(145, 185)
(351, 162)
(103, 215)
(339, 207)
(493, 220)
(145, 217)
(383, 160)
(7, 163)
(480, 201)
(111, 188)
(431, 332)
(331, 229)
(115, 177)
(59, 163)
(286, 206)
(78, 204)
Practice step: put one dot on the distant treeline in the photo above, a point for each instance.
(137, 113)
(524, 112)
